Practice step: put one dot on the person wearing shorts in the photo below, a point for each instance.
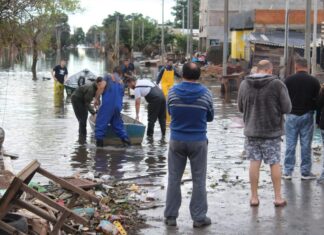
(266, 150)
(263, 99)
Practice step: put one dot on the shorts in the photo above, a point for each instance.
(268, 150)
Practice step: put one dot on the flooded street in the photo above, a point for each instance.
(36, 129)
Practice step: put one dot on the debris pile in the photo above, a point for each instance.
(211, 71)
(115, 210)
(116, 213)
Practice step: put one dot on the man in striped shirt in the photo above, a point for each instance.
(191, 107)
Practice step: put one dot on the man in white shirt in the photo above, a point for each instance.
(156, 103)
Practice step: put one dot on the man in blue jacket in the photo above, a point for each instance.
(191, 107)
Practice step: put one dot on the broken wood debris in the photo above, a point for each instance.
(64, 208)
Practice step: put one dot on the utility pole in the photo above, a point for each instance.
(314, 54)
(190, 28)
(162, 38)
(308, 32)
(187, 30)
(286, 35)
(117, 40)
(183, 18)
(143, 28)
(225, 44)
(132, 33)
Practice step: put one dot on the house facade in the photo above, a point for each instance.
(211, 21)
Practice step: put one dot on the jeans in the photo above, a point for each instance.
(299, 127)
(179, 152)
(322, 175)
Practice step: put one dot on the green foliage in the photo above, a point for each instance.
(29, 23)
(177, 13)
(181, 41)
(151, 37)
(78, 37)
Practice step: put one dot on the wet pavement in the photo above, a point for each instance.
(37, 129)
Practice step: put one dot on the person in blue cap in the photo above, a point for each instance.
(112, 92)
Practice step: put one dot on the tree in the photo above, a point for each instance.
(78, 37)
(177, 13)
(42, 19)
(30, 23)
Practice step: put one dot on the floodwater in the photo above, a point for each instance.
(37, 128)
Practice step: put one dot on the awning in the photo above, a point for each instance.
(277, 39)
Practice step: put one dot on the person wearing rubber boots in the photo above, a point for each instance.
(156, 103)
(81, 102)
(112, 91)
(59, 74)
(166, 78)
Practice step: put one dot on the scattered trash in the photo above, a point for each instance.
(84, 212)
(106, 227)
(116, 210)
(37, 187)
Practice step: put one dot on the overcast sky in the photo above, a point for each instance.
(96, 10)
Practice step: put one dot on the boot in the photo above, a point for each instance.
(99, 143)
(126, 142)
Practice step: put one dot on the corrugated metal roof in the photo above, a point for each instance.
(277, 38)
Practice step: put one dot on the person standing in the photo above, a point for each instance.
(166, 78)
(156, 103)
(263, 99)
(59, 74)
(303, 91)
(81, 103)
(191, 107)
(112, 91)
(128, 69)
(320, 124)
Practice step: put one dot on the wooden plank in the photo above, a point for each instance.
(28, 171)
(9, 229)
(60, 223)
(53, 204)
(41, 213)
(67, 185)
(11, 193)
(73, 200)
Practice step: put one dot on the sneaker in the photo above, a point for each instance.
(203, 223)
(99, 143)
(170, 221)
(309, 176)
(286, 177)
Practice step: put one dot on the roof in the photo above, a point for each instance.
(277, 38)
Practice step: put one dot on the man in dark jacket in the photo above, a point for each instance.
(191, 107)
(303, 91)
(81, 102)
(263, 99)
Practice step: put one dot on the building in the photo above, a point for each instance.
(211, 20)
(264, 21)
